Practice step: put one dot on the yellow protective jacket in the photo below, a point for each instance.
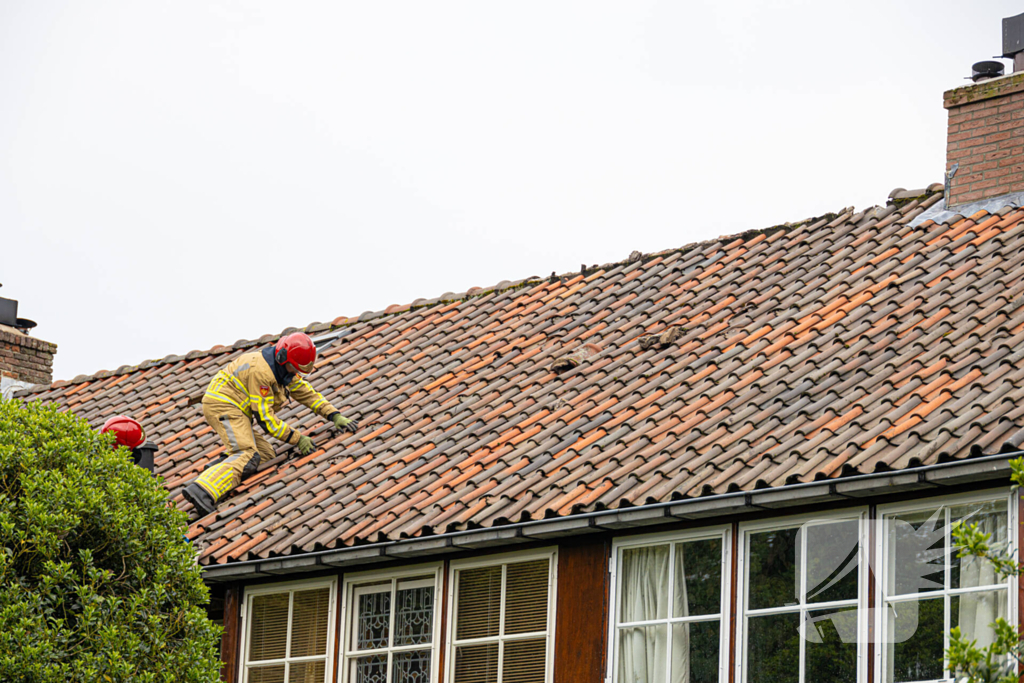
(250, 384)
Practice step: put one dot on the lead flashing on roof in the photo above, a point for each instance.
(940, 214)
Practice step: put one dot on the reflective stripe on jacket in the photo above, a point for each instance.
(249, 384)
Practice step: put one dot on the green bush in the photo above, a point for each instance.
(97, 582)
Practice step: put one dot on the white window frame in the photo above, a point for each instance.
(671, 538)
(882, 553)
(860, 514)
(550, 554)
(356, 580)
(270, 589)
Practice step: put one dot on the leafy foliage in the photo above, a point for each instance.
(993, 663)
(97, 582)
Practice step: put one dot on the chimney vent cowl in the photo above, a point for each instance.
(9, 316)
(982, 71)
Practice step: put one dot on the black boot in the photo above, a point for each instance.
(202, 501)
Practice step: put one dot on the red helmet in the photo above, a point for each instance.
(298, 349)
(127, 432)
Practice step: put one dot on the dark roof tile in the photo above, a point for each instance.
(847, 343)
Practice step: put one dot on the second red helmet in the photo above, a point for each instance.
(298, 349)
(127, 432)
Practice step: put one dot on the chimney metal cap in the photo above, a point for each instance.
(982, 71)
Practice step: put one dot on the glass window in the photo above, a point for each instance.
(927, 589)
(502, 622)
(391, 630)
(668, 625)
(288, 635)
(801, 605)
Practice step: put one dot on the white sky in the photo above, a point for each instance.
(180, 174)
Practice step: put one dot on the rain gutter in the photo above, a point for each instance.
(857, 487)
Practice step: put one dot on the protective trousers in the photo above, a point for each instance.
(245, 449)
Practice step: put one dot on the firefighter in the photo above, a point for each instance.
(127, 432)
(255, 386)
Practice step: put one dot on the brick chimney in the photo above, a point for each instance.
(24, 360)
(985, 139)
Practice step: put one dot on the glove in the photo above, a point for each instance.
(305, 445)
(345, 423)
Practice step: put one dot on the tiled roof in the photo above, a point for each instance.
(847, 344)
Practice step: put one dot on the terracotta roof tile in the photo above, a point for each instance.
(837, 345)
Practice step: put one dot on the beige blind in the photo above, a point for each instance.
(526, 597)
(267, 674)
(309, 624)
(476, 663)
(479, 608)
(524, 661)
(269, 631)
(306, 672)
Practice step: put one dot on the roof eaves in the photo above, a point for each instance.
(857, 487)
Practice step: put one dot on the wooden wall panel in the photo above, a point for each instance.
(339, 629)
(441, 612)
(229, 641)
(581, 613)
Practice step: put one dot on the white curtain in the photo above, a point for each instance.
(681, 632)
(643, 651)
(979, 610)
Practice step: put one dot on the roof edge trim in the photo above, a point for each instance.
(936, 477)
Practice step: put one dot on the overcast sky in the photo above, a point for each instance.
(176, 175)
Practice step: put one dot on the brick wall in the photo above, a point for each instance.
(26, 358)
(986, 137)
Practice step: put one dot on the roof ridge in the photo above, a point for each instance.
(900, 197)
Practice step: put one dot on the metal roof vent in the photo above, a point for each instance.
(982, 71)
(9, 316)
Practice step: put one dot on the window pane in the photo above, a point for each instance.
(917, 627)
(643, 654)
(411, 667)
(269, 627)
(479, 606)
(309, 623)
(916, 552)
(698, 578)
(773, 648)
(267, 674)
(974, 612)
(644, 584)
(307, 672)
(374, 620)
(523, 661)
(476, 663)
(772, 573)
(695, 649)
(526, 597)
(831, 649)
(832, 560)
(370, 669)
(414, 615)
(990, 517)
